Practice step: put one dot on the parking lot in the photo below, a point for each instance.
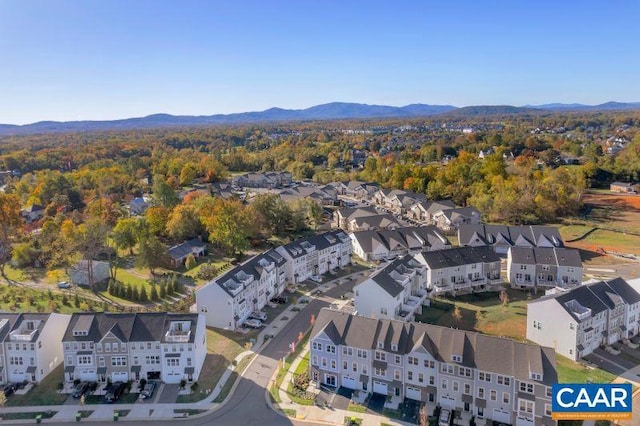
(617, 364)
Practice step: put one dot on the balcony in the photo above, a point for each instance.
(175, 336)
(419, 293)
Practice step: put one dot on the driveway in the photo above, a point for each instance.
(169, 393)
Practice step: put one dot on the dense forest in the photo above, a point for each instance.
(534, 168)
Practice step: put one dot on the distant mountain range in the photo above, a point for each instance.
(330, 111)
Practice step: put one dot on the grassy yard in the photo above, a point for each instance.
(46, 393)
(28, 416)
(302, 368)
(289, 412)
(572, 372)
(232, 378)
(609, 241)
(482, 312)
(356, 408)
(222, 347)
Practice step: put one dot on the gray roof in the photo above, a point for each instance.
(383, 276)
(625, 291)
(376, 221)
(14, 322)
(252, 267)
(299, 247)
(526, 235)
(128, 327)
(412, 237)
(458, 256)
(183, 250)
(487, 353)
(451, 213)
(546, 256)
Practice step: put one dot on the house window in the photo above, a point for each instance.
(444, 383)
(173, 362)
(446, 368)
(456, 386)
(381, 356)
(484, 377)
(118, 361)
(331, 349)
(456, 358)
(572, 326)
(324, 362)
(502, 380)
(537, 325)
(69, 360)
(380, 371)
(345, 365)
(347, 351)
(547, 392)
(525, 406)
(412, 360)
(394, 347)
(428, 363)
(316, 346)
(333, 364)
(432, 380)
(383, 311)
(420, 378)
(354, 367)
(547, 410)
(467, 388)
(396, 375)
(314, 360)
(398, 360)
(107, 347)
(99, 347)
(85, 360)
(505, 397)
(464, 371)
(526, 387)
(493, 395)
(535, 376)
(66, 347)
(480, 392)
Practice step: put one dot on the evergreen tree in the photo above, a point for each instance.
(143, 295)
(154, 293)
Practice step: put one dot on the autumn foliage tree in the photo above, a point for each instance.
(10, 225)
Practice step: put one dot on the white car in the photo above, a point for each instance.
(316, 278)
(259, 316)
(253, 323)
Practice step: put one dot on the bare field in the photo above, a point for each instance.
(613, 211)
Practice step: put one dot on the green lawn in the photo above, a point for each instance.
(356, 408)
(222, 348)
(289, 412)
(273, 390)
(233, 377)
(28, 416)
(303, 367)
(46, 393)
(482, 312)
(572, 372)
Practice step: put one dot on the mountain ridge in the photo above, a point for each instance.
(328, 111)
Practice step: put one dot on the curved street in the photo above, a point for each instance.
(248, 405)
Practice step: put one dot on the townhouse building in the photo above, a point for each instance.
(543, 267)
(461, 270)
(501, 237)
(397, 201)
(425, 210)
(315, 255)
(262, 180)
(228, 300)
(449, 220)
(343, 216)
(378, 245)
(118, 347)
(397, 290)
(579, 320)
(30, 345)
(488, 377)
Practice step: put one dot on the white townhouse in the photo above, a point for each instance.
(387, 244)
(315, 255)
(579, 320)
(397, 200)
(533, 267)
(487, 377)
(30, 345)
(461, 270)
(119, 347)
(501, 237)
(397, 290)
(229, 299)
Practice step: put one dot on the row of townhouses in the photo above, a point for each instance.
(395, 291)
(543, 267)
(262, 180)
(461, 270)
(579, 320)
(387, 244)
(502, 237)
(487, 377)
(165, 346)
(229, 300)
(363, 219)
(102, 346)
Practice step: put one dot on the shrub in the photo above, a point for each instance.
(301, 381)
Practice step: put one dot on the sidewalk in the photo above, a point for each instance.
(313, 413)
(154, 411)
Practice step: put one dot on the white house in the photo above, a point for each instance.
(388, 244)
(533, 267)
(489, 378)
(228, 300)
(30, 345)
(579, 320)
(395, 291)
(424, 210)
(119, 347)
(315, 255)
(461, 270)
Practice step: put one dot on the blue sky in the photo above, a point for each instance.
(90, 59)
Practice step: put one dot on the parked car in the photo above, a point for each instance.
(253, 323)
(9, 389)
(148, 390)
(80, 389)
(64, 284)
(282, 299)
(259, 315)
(316, 278)
(445, 417)
(114, 393)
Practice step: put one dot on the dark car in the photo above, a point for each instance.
(9, 389)
(148, 390)
(282, 299)
(114, 393)
(80, 389)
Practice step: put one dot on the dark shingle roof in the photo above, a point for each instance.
(526, 235)
(458, 256)
(488, 353)
(546, 256)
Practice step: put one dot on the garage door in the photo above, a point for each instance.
(501, 416)
(85, 375)
(119, 376)
(447, 402)
(349, 382)
(380, 387)
(413, 393)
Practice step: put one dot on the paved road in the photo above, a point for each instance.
(248, 406)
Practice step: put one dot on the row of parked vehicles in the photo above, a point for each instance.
(114, 391)
(256, 319)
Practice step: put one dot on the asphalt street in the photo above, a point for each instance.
(248, 405)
